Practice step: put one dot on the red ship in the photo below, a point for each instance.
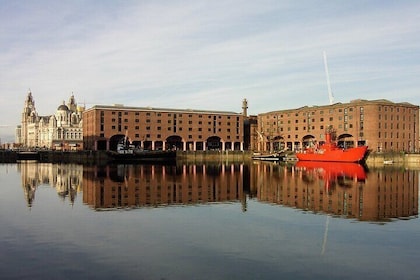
(329, 151)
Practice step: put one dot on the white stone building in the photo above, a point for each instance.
(61, 131)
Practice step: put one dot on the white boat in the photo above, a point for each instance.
(267, 157)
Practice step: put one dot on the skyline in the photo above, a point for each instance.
(205, 55)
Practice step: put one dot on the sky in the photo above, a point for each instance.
(206, 55)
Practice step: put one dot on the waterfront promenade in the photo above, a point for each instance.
(101, 157)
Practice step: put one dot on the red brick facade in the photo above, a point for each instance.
(157, 129)
(382, 125)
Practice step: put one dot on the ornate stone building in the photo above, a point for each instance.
(61, 131)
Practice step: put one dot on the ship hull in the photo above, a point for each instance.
(336, 155)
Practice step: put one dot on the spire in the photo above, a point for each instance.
(29, 102)
(72, 103)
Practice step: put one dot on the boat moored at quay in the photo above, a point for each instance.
(330, 151)
(127, 152)
(268, 157)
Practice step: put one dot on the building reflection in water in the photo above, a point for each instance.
(65, 178)
(344, 190)
(118, 186)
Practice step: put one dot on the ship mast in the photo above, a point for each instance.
(330, 94)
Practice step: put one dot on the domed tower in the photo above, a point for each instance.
(62, 115)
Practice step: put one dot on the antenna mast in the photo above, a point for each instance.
(330, 94)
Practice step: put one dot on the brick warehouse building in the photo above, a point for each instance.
(162, 129)
(381, 124)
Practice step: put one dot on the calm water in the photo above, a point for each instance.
(227, 221)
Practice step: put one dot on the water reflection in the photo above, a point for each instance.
(117, 186)
(65, 178)
(344, 190)
(332, 173)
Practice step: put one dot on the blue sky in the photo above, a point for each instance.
(205, 54)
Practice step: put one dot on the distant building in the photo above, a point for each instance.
(381, 124)
(162, 129)
(61, 131)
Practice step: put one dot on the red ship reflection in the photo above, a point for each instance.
(334, 172)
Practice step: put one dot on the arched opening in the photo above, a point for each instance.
(174, 142)
(213, 143)
(147, 145)
(228, 146)
(308, 141)
(237, 146)
(278, 143)
(113, 141)
(345, 141)
(159, 145)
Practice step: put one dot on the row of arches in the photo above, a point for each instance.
(278, 143)
(173, 143)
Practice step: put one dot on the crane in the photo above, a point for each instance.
(330, 94)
